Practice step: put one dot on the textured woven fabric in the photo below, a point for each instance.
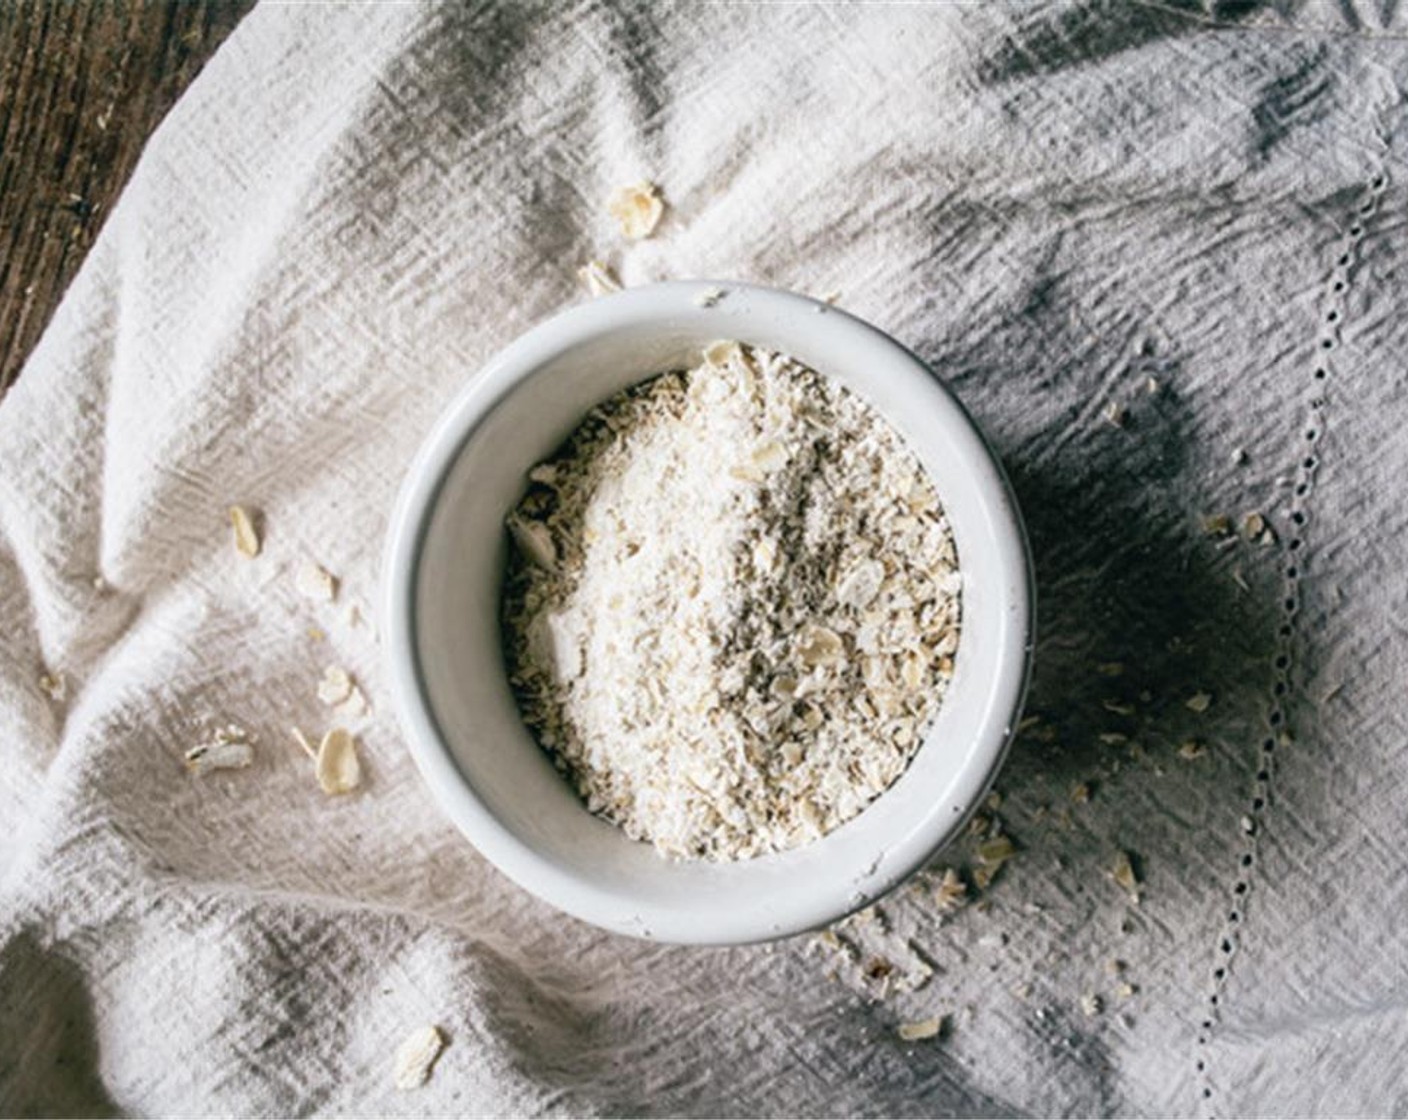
(1157, 251)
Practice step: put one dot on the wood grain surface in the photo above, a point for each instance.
(82, 85)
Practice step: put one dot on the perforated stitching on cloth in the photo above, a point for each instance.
(1278, 734)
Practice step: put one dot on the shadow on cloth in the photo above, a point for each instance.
(48, 1045)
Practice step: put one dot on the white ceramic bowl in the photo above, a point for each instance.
(444, 562)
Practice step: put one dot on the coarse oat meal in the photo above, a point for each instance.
(732, 607)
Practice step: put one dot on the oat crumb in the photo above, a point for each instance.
(416, 1056)
(920, 1029)
(315, 582)
(1257, 530)
(227, 748)
(1123, 872)
(1091, 1005)
(54, 685)
(336, 685)
(598, 279)
(247, 541)
(1199, 702)
(637, 209)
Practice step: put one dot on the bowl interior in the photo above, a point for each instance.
(465, 729)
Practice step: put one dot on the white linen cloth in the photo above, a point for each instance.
(1158, 250)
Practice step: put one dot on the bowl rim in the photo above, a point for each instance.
(409, 527)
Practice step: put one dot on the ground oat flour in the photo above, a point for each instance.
(732, 607)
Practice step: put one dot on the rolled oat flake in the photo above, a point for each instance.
(732, 606)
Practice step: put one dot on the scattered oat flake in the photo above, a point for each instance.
(534, 540)
(1113, 738)
(416, 1056)
(1081, 793)
(246, 535)
(53, 685)
(637, 208)
(598, 279)
(1125, 990)
(315, 582)
(920, 1029)
(722, 353)
(1217, 525)
(1118, 707)
(996, 851)
(1151, 385)
(1123, 872)
(709, 297)
(1110, 668)
(1248, 826)
(952, 892)
(1199, 702)
(869, 916)
(336, 685)
(1239, 456)
(1091, 1005)
(1114, 966)
(1191, 749)
(229, 748)
(1114, 414)
(337, 765)
(355, 706)
(915, 977)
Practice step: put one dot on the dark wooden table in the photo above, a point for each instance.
(82, 85)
